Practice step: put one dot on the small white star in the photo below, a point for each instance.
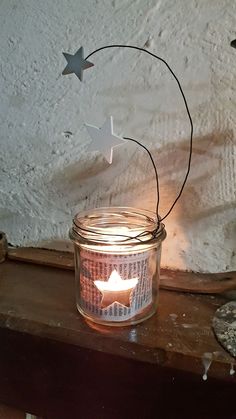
(103, 139)
(76, 63)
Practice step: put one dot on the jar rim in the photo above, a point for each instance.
(118, 225)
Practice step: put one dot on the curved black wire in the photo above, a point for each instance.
(156, 174)
(157, 232)
(140, 144)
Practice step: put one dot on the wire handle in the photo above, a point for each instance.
(140, 144)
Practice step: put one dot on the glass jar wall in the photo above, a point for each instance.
(117, 264)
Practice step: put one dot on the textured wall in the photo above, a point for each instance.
(46, 175)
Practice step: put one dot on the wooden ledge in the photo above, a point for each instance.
(40, 300)
(170, 279)
(38, 316)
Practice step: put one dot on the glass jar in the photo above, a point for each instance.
(117, 264)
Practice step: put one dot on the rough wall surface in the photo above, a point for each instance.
(46, 175)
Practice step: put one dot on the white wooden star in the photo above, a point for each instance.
(103, 139)
(76, 63)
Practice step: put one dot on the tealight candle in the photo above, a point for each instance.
(116, 289)
(117, 261)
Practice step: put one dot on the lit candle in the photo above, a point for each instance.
(117, 274)
(116, 289)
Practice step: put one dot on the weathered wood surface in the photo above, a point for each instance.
(54, 258)
(41, 301)
(7, 412)
(57, 366)
(199, 283)
(172, 280)
(55, 380)
(3, 246)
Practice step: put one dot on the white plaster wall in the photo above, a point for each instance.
(46, 175)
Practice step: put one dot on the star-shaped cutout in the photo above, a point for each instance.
(116, 289)
(76, 63)
(103, 139)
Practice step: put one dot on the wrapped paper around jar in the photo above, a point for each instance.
(117, 264)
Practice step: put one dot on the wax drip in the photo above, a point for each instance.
(232, 370)
(207, 360)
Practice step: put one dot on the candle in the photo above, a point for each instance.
(116, 289)
(117, 274)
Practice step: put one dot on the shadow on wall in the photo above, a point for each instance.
(210, 193)
(90, 182)
(202, 226)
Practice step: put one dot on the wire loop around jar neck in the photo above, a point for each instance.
(117, 225)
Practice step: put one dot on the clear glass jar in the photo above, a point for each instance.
(116, 272)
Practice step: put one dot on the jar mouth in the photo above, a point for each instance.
(116, 225)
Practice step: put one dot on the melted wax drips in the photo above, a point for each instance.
(207, 360)
(232, 370)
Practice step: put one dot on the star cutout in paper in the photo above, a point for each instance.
(116, 289)
(103, 139)
(76, 63)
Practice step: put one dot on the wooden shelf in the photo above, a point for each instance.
(48, 352)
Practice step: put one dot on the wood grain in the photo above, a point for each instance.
(171, 280)
(41, 300)
(57, 259)
(198, 283)
(56, 365)
(3, 246)
(7, 412)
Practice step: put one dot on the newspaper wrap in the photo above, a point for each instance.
(96, 266)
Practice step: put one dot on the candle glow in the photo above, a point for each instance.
(117, 264)
(116, 289)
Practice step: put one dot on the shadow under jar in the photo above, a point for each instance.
(117, 264)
